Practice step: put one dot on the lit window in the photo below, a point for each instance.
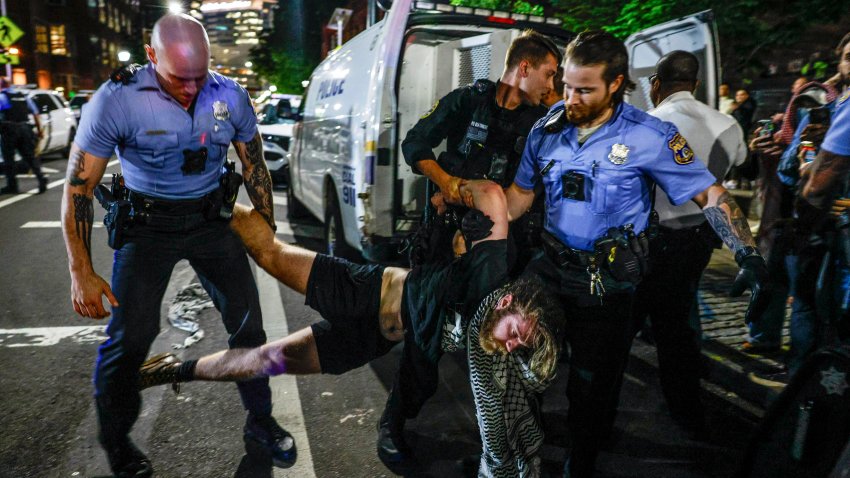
(58, 42)
(41, 41)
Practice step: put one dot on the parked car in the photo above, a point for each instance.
(82, 97)
(276, 120)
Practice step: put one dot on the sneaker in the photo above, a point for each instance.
(161, 369)
(265, 438)
(127, 461)
(730, 184)
(756, 348)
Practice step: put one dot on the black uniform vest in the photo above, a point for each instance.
(18, 112)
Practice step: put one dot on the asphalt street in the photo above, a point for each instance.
(47, 354)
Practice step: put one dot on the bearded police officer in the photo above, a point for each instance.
(598, 159)
(484, 126)
(171, 123)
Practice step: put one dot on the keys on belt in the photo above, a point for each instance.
(563, 255)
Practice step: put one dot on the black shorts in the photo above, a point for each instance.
(348, 296)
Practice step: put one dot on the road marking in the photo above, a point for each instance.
(280, 200)
(34, 191)
(46, 336)
(50, 224)
(286, 401)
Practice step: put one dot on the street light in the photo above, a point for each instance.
(123, 55)
(175, 7)
(248, 64)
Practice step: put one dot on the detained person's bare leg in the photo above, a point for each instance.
(294, 354)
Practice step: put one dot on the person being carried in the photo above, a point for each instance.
(509, 328)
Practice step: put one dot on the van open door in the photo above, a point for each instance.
(695, 33)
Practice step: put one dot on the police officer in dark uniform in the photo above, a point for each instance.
(16, 135)
(171, 123)
(484, 126)
(597, 159)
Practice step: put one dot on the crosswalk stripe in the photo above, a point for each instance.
(46, 336)
(34, 191)
(50, 224)
(286, 401)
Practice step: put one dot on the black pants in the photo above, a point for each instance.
(18, 137)
(599, 335)
(665, 297)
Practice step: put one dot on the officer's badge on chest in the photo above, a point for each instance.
(619, 154)
(220, 111)
(682, 152)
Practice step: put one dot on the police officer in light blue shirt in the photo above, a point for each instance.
(599, 159)
(171, 124)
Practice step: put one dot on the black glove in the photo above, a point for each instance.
(752, 275)
(475, 226)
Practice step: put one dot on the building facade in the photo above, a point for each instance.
(69, 45)
(234, 27)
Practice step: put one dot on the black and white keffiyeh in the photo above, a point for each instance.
(504, 387)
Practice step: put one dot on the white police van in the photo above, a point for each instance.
(345, 160)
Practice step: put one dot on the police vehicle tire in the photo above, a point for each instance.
(294, 209)
(334, 233)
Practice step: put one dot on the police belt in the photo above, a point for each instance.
(144, 205)
(563, 255)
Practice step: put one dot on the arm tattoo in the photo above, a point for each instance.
(76, 166)
(83, 219)
(731, 226)
(258, 181)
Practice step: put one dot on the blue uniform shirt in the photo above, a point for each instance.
(617, 162)
(6, 104)
(149, 130)
(837, 140)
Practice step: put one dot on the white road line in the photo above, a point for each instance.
(285, 398)
(46, 336)
(280, 200)
(50, 224)
(288, 231)
(34, 191)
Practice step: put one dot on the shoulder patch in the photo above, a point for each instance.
(844, 97)
(682, 152)
(431, 111)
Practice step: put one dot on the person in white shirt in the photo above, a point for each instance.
(685, 243)
(726, 104)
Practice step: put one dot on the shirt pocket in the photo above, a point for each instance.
(152, 148)
(550, 170)
(614, 191)
(221, 136)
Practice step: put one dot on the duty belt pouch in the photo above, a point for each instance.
(220, 202)
(624, 264)
(498, 167)
(118, 218)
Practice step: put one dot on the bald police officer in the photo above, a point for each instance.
(171, 123)
(598, 159)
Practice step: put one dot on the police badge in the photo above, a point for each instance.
(220, 111)
(619, 154)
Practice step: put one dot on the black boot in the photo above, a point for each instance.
(393, 451)
(42, 185)
(127, 461)
(265, 438)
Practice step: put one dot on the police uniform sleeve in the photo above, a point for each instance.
(527, 174)
(837, 140)
(677, 170)
(101, 123)
(243, 118)
(433, 127)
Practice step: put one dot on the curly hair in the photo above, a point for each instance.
(534, 304)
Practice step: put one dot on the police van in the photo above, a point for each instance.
(345, 161)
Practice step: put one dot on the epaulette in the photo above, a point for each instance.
(555, 121)
(125, 74)
(483, 87)
(634, 115)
